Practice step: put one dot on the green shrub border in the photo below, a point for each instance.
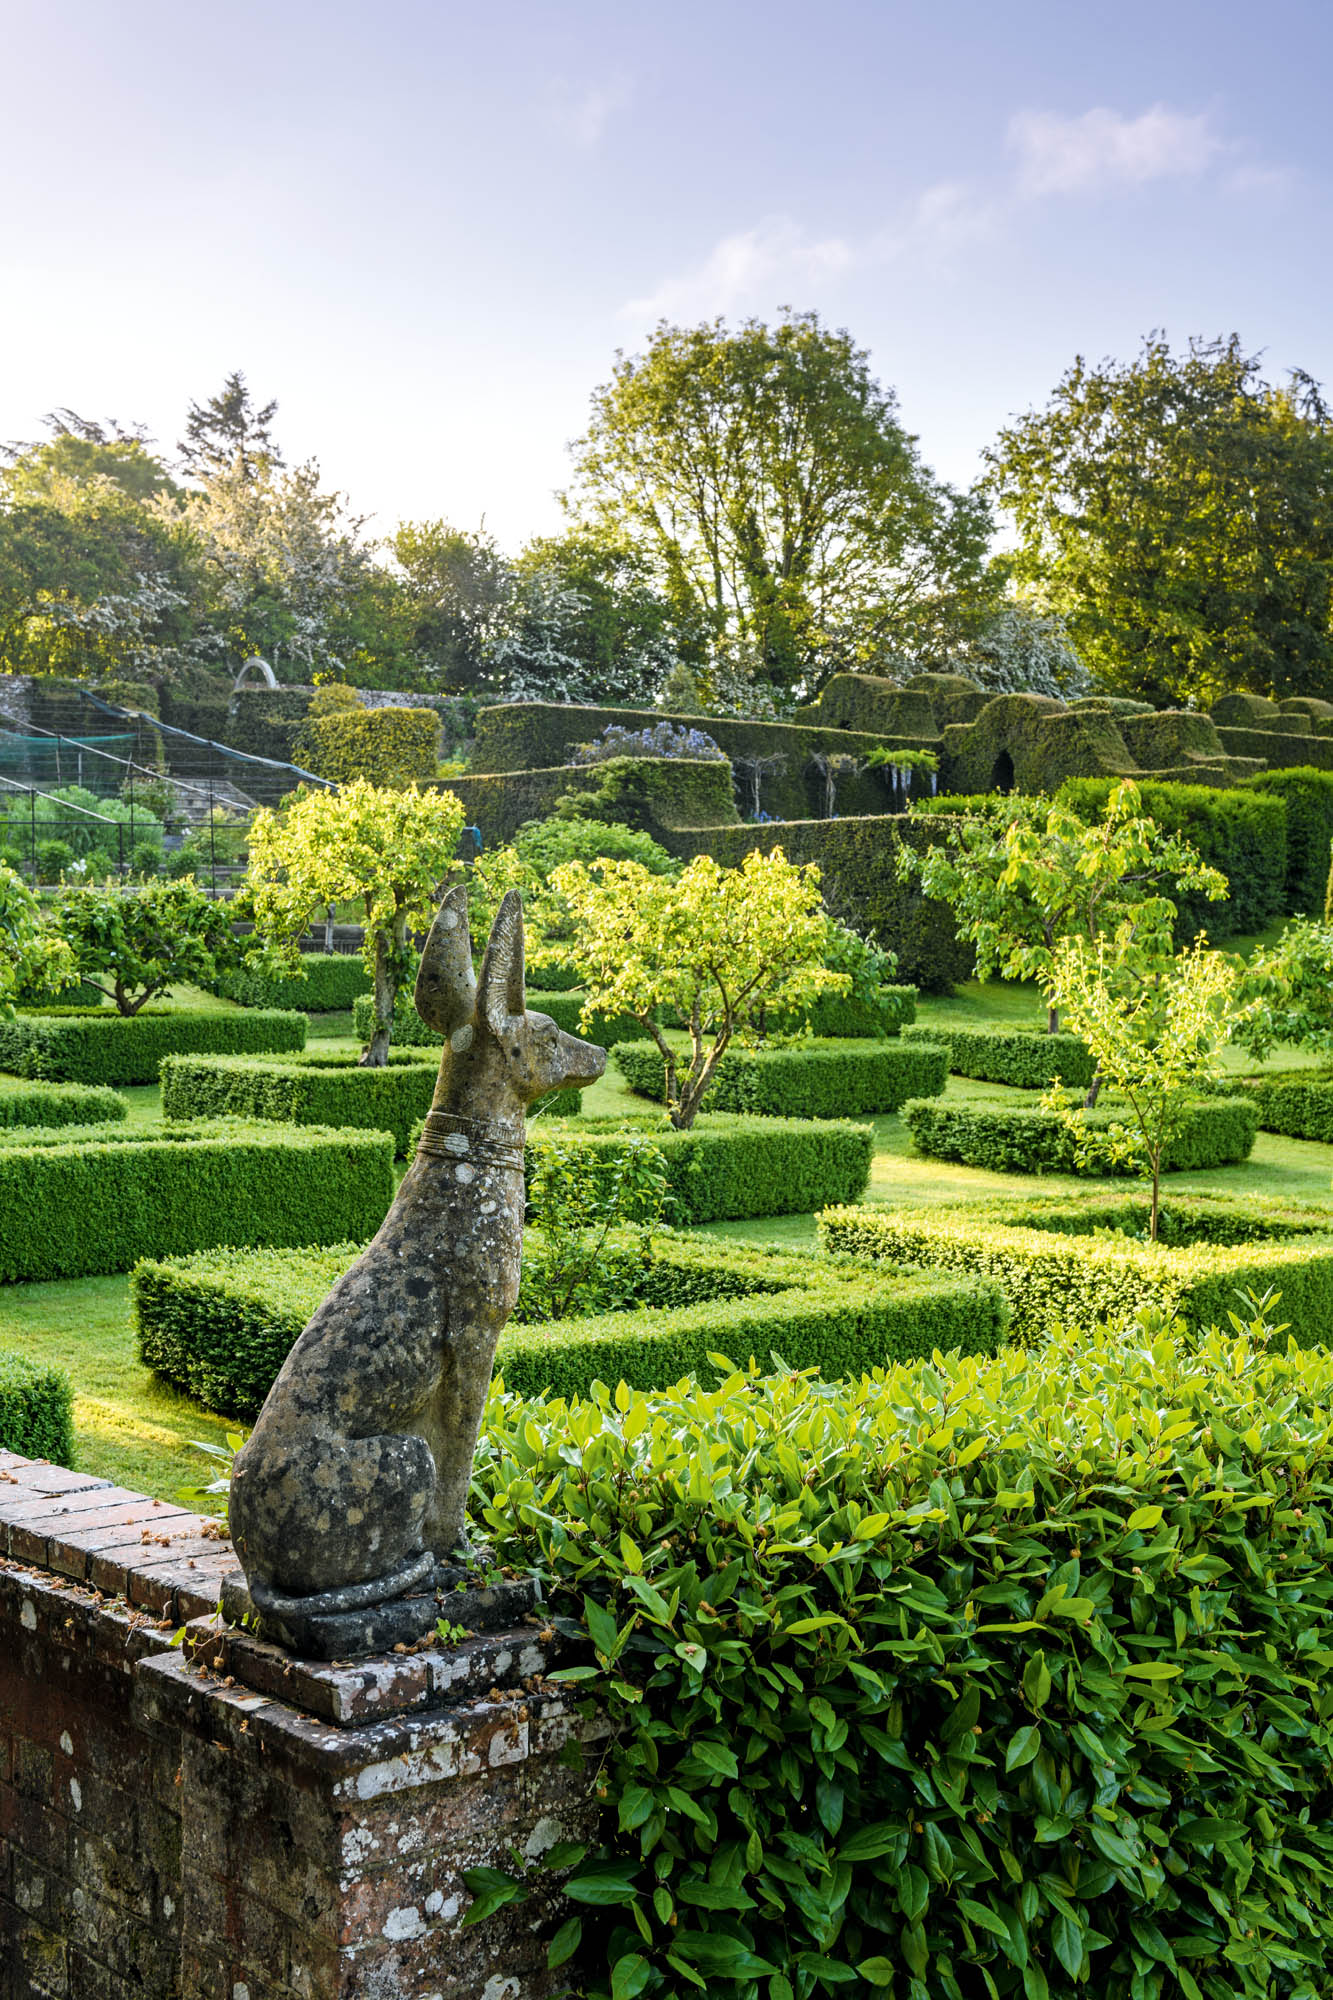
(220, 1326)
(838, 1079)
(1026, 1058)
(26, 1103)
(1026, 1139)
(109, 1048)
(1053, 1268)
(316, 1089)
(77, 1210)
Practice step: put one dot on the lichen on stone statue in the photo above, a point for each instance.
(349, 1495)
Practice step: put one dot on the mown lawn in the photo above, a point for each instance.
(133, 1428)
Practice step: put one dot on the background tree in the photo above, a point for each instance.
(456, 590)
(711, 947)
(765, 475)
(387, 851)
(228, 435)
(1177, 513)
(134, 944)
(1032, 873)
(281, 562)
(626, 637)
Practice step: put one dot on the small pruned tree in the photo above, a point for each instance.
(752, 771)
(383, 849)
(34, 957)
(711, 948)
(1286, 992)
(833, 766)
(1155, 1024)
(1031, 872)
(135, 944)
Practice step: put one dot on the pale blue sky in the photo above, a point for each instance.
(425, 229)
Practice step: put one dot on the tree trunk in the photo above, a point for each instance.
(328, 929)
(1089, 1102)
(1052, 1020)
(377, 1054)
(1156, 1190)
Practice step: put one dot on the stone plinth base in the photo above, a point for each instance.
(217, 1821)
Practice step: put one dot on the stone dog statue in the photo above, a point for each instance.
(354, 1480)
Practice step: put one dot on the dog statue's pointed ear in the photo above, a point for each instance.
(500, 993)
(446, 995)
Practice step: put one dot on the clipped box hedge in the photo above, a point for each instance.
(1026, 1139)
(314, 1089)
(1295, 1102)
(328, 982)
(388, 746)
(71, 1211)
(833, 1079)
(36, 1409)
(1089, 1260)
(102, 1047)
(1027, 1058)
(220, 1326)
(29, 1103)
(730, 1167)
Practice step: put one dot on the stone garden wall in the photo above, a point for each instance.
(212, 1821)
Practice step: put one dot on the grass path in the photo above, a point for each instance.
(132, 1427)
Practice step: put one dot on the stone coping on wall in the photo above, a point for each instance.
(213, 1820)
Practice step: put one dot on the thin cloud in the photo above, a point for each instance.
(738, 266)
(779, 254)
(581, 115)
(1102, 149)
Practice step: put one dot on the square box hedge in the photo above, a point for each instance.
(25, 1102)
(1089, 1259)
(220, 1326)
(315, 1089)
(1016, 1138)
(815, 1079)
(74, 1206)
(1027, 1058)
(102, 1047)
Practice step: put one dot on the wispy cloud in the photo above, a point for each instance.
(1095, 152)
(780, 253)
(580, 114)
(1102, 149)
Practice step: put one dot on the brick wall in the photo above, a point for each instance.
(214, 1821)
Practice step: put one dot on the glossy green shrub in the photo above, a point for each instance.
(1235, 828)
(996, 1676)
(24, 1103)
(327, 982)
(1024, 1057)
(1027, 1139)
(220, 1326)
(36, 1409)
(837, 1079)
(71, 1210)
(1308, 795)
(1088, 1259)
(311, 1090)
(103, 1047)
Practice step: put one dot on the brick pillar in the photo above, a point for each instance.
(218, 1822)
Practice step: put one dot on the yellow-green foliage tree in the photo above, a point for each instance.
(710, 948)
(385, 849)
(32, 954)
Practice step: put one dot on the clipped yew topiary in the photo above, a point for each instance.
(1033, 1139)
(833, 1079)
